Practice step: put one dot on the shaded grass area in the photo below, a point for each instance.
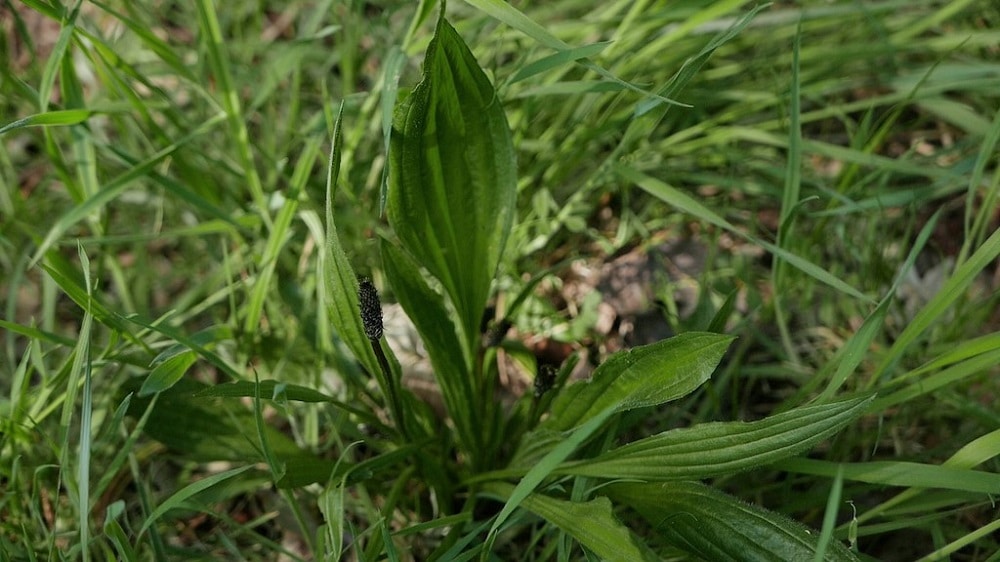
(164, 213)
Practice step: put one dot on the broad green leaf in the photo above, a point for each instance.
(171, 364)
(712, 449)
(341, 286)
(715, 526)
(452, 176)
(639, 377)
(642, 376)
(427, 310)
(591, 523)
(116, 534)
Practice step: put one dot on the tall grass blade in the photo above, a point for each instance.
(180, 497)
(899, 473)
(687, 204)
(951, 291)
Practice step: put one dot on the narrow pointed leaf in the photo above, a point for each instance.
(713, 449)
(714, 526)
(61, 117)
(337, 274)
(187, 492)
(164, 375)
(452, 176)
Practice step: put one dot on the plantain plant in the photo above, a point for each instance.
(450, 206)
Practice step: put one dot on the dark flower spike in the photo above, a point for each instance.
(544, 380)
(371, 320)
(498, 332)
(371, 309)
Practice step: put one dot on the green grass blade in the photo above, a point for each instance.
(954, 288)
(976, 366)
(987, 154)
(969, 539)
(217, 59)
(114, 188)
(181, 496)
(897, 473)
(195, 342)
(279, 235)
(510, 15)
(691, 66)
(390, 90)
(689, 205)
(830, 517)
(283, 391)
(86, 413)
(49, 119)
(556, 59)
(167, 373)
(790, 200)
(59, 53)
(854, 352)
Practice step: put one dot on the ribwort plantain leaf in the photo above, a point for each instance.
(452, 176)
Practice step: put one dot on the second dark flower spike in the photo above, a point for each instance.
(371, 309)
